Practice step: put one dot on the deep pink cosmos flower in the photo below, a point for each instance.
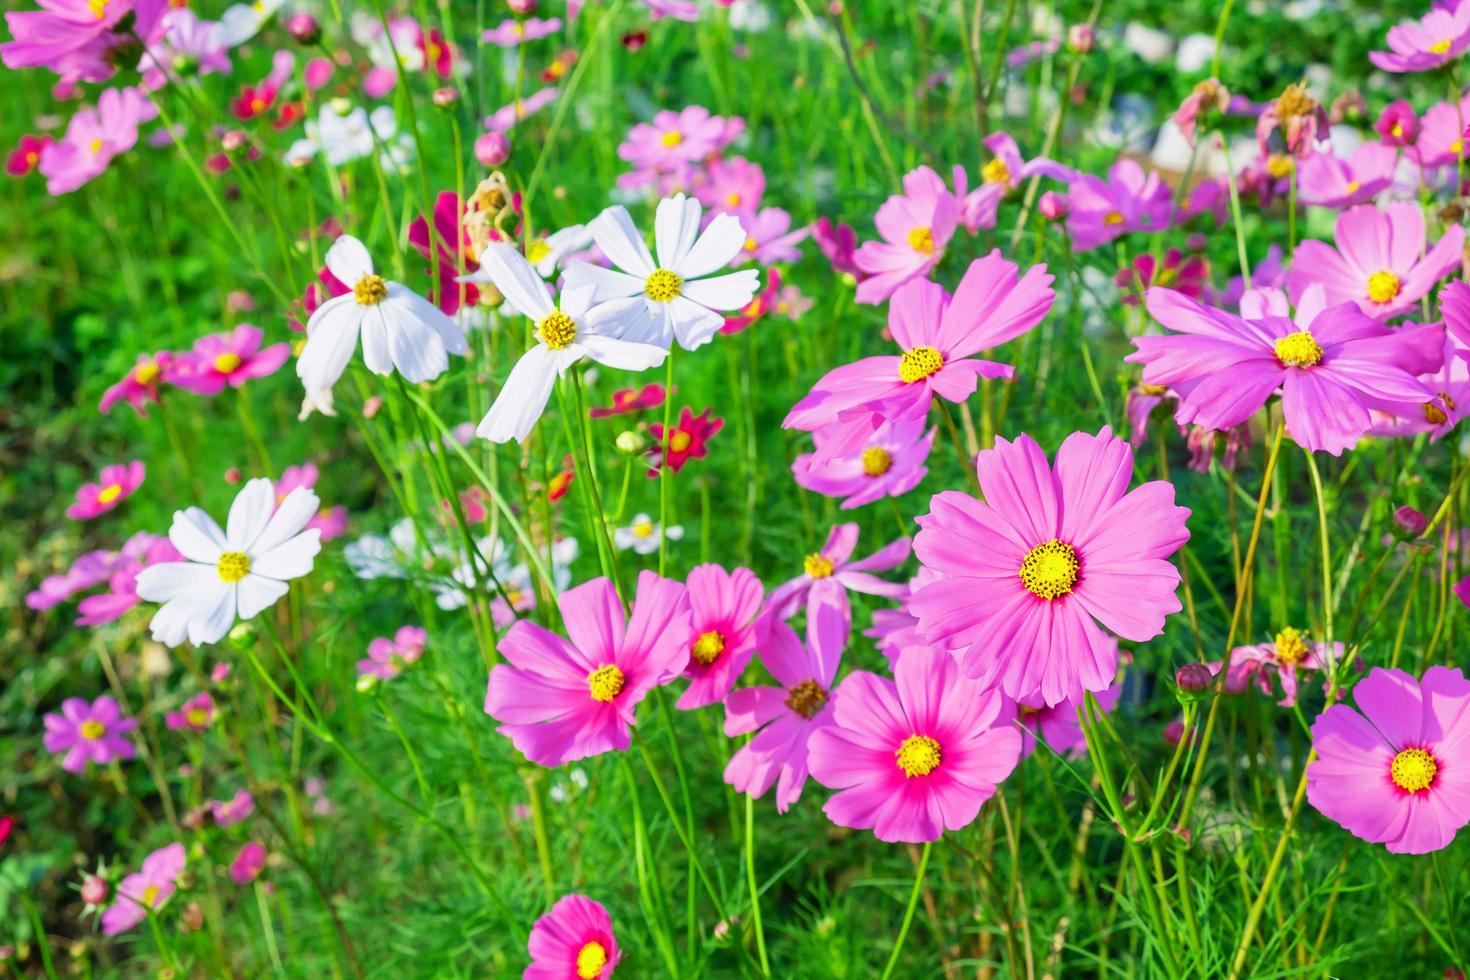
(140, 385)
(785, 716)
(689, 440)
(513, 33)
(230, 359)
(1397, 125)
(146, 890)
(1285, 657)
(114, 484)
(257, 100)
(456, 251)
(1130, 200)
(735, 186)
(562, 700)
(1185, 274)
(88, 733)
(828, 574)
(1328, 181)
(80, 39)
(1441, 139)
(1430, 42)
(889, 464)
(27, 154)
(1058, 727)
(227, 813)
(387, 658)
(195, 715)
(1398, 773)
(626, 400)
(94, 137)
(916, 226)
(248, 864)
(1050, 553)
(574, 939)
(1330, 372)
(839, 244)
(722, 612)
(1377, 263)
(140, 551)
(764, 303)
(769, 238)
(914, 756)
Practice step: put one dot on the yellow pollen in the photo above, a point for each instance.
(370, 290)
(1299, 349)
(150, 896)
(257, 104)
(1413, 770)
(605, 682)
(663, 285)
(643, 529)
(1434, 415)
(1441, 47)
(591, 961)
(109, 494)
(876, 461)
(519, 30)
(1455, 147)
(1113, 218)
(1398, 130)
(919, 363)
(1152, 389)
(751, 244)
(99, 8)
(818, 565)
(996, 172)
(1279, 165)
(921, 240)
(1049, 570)
(227, 362)
(233, 566)
(1353, 187)
(1449, 402)
(680, 441)
(672, 138)
(918, 756)
(537, 251)
(93, 730)
(196, 717)
(1291, 647)
(146, 374)
(556, 330)
(96, 146)
(806, 698)
(1383, 286)
(1295, 101)
(733, 200)
(708, 647)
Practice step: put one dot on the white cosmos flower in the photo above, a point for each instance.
(400, 329)
(564, 335)
(546, 253)
(241, 570)
(677, 298)
(242, 21)
(642, 535)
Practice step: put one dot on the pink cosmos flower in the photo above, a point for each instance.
(916, 226)
(1051, 552)
(722, 612)
(1377, 262)
(189, 46)
(229, 812)
(88, 733)
(914, 756)
(764, 303)
(896, 630)
(1441, 139)
(735, 186)
(1430, 42)
(768, 237)
(27, 154)
(1330, 372)
(248, 864)
(1209, 96)
(513, 33)
(685, 10)
(331, 523)
(1393, 773)
(114, 484)
(1287, 656)
(574, 939)
(228, 359)
(828, 574)
(1058, 727)
(508, 116)
(890, 464)
(627, 400)
(1297, 117)
(1333, 182)
(79, 39)
(689, 440)
(455, 249)
(146, 890)
(387, 658)
(89, 569)
(673, 141)
(1451, 382)
(141, 551)
(785, 716)
(1002, 174)
(839, 244)
(195, 715)
(140, 385)
(559, 700)
(94, 137)
(1130, 200)
(1397, 124)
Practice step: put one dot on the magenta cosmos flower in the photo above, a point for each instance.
(1002, 174)
(195, 715)
(574, 940)
(1059, 727)
(785, 716)
(939, 335)
(889, 464)
(230, 359)
(916, 226)
(1288, 655)
(1441, 139)
(146, 890)
(513, 33)
(1130, 200)
(559, 700)
(114, 485)
(735, 185)
(1330, 372)
(828, 574)
(1336, 182)
(89, 733)
(387, 658)
(94, 137)
(1398, 773)
(1051, 552)
(914, 756)
(140, 385)
(1377, 263)
(1430, 42)
(248, 864)
(722, 611)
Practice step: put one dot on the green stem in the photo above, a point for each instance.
(908, 912)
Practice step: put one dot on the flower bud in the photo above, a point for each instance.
(1053, 206)
(1408, 523)
(232, 140)
(372, 406)
(492, 149)
(243, 634)
(1193, 678)
(220, 673)
(446, 97)
(1081, 37)
(304, 28)
(233, 476)
(95, 890)
(521, 7)
(631, 443)
(367, 683)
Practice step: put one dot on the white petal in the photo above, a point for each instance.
(620, 241)
(331, 337)
(622, 354)
(575, 301)
(348, 260)
(731, 292)
(290, 517)
(694, 325)
(170, 624)
(169, 580)
(290, 559)
(514, 277)
(418, 352)
(449, 332)
(375, 352)
(214, 614)
(675, 226)
(256, 594)
(609, 283)
(631, 318)
(523, 398)
(197, 536)
(721, 242)
(249, 514)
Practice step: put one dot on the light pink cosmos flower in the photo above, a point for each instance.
(141, 551)
(685, 10)
(114, 484)
(94, 137)
(769, 238)
(89, 733)
(146, 890)
(248, 864)
(387, 658)
(673, 140)
(332, 523)
(189, 46)
(559, 701)
(914, 756)
(195, 715)
(1441, 139)
(89, 569)
(1430, 42)
(140, 385)
(1398, 773)
(1208, 97)
(1327, 181)
(1051, 552)
(735, 185)
(916, 226)
(229, 812)
(1002, 174)
(513, 33)
(890, 464)
(1059, 727)
(1288, 655)
(1098, 211)
(229, 359)
(574, 939)
(828, 574)
(785, 716)
(510, 115)
(1377, 263)
(722, 612)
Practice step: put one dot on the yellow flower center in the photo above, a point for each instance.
(150, 896)
(1383, 286)
(1414, 770)
(233, 566)
(1353, 187)
(806, 698)
(93, 730)
(1280, 165)
(643, 529)
(1049, 570)
(1456, 147)
(921, 240)
(1295, 101)
(146, 374)
(996, 172)
(1434, 415)
(370, 290)
(592, 958)
(708, 647)
(1441, 47)
(1291, 647)
(519, 30)
(537, 251)
(557, 331)
(227, 363)
(733, 200)
(663, 285)
(876, 461)
(1152, 389)
(680, 440)
(751, 244)
(1398, 130)
(919, 363)
(95, 146)
(605, 682)
(918, 756)
(109, 494)
(672, 138)
(99, 9)
(196, 717)
(1113, 218)
(1299, 349)
(817, 565)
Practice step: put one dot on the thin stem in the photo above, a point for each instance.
(908, 913)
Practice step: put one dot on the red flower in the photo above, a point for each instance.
(454, 260)
(438, 55)
(687, 440)
(631, 400)
(26, 155)
(7, 824)
(757, 308)
(253, 100)
(562, 482)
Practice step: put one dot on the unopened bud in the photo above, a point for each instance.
(1409, 523)
(304, 28)
(631, 443)
(1081, 37)
(95, 890)
(233, 476)
(367, 683)
(372, 406)
(446, 97)
(492, 149)
(1193, 678)
(232, 140)
(521, 7)
(1053, 206)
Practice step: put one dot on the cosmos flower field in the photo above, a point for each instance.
(568, 489)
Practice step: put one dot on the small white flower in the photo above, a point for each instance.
(241, 570)
(546, 253)
(677, 298)
(564, 335)
(242, 21)
(400, 329)
(642, 535)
